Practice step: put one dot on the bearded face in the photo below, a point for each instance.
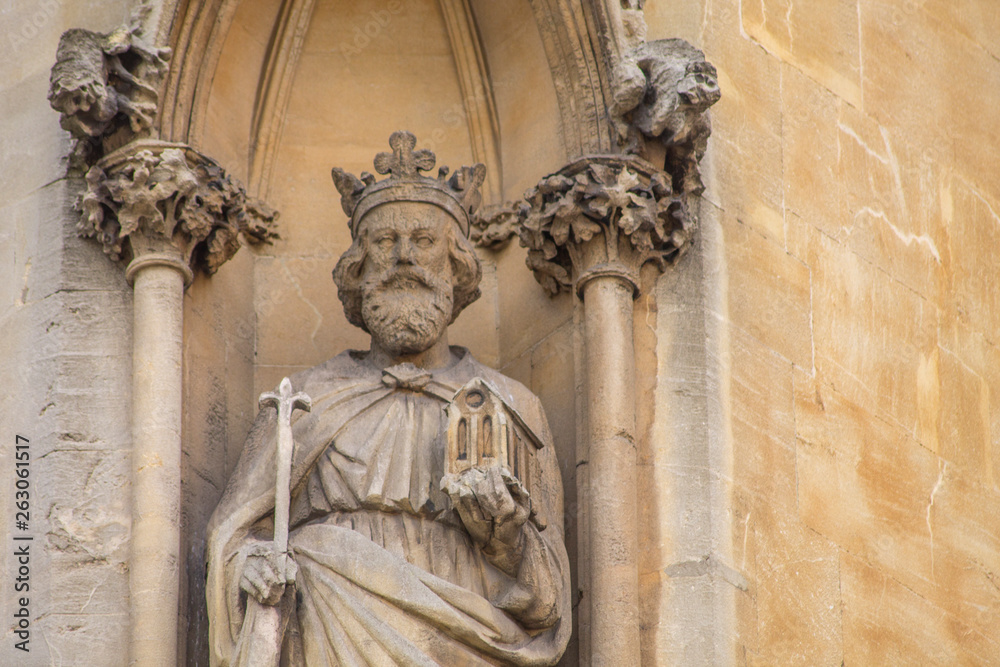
(407, 287)
(406, 309)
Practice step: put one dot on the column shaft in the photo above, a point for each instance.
(614, 577)
(154, 581)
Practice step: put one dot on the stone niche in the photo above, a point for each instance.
(285, 91)
(588, 141)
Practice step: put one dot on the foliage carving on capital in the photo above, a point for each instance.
(154, 196)
(623, 201)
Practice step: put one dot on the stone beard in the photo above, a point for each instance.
(404, 309)
(388, 567)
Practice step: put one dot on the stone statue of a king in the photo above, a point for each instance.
(425, 520)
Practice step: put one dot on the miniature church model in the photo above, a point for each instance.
(483, 431)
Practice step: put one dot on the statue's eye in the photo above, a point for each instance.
(424, 241)
(384, 242)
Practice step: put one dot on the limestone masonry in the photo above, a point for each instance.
(725, 272)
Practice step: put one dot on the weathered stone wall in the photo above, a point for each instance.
(850, 184)
(65, 370)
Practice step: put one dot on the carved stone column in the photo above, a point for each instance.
(157, 347)
(164, 211)
(167, 210)
(591, 227)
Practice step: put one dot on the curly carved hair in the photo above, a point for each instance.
(465, 268)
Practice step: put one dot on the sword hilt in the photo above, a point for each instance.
(285, 402)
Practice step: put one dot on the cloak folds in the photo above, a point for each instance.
(387, 574)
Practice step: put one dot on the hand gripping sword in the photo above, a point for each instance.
(261, 637)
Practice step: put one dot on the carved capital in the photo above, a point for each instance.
(602, 215)
(662, 91)
(158, 202)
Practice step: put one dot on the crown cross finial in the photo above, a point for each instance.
(403, 161)
(458, 194)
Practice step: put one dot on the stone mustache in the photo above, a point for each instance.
(425, 516)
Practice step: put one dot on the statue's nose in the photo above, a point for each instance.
(404, 251)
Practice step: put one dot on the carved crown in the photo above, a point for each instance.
(458, 195)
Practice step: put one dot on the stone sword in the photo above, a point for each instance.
(285, 402)
(260, 639)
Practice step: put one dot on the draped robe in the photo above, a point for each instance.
(387, 572)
